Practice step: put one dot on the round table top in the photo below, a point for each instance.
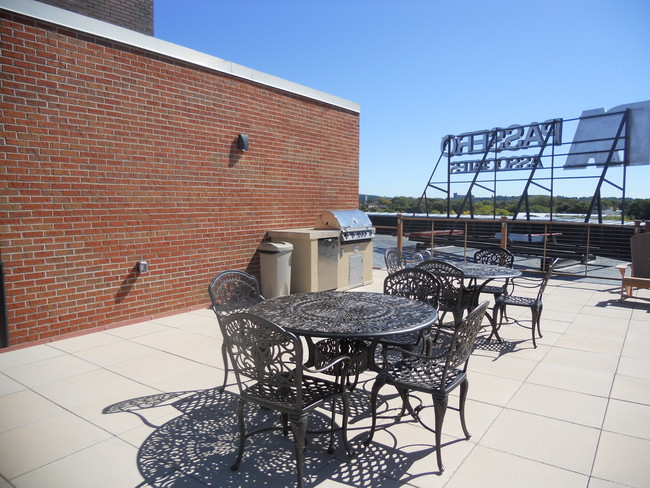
(347, 314)
(485, 271)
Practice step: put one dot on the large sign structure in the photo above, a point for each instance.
(600, 141)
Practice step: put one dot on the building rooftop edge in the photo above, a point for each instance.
(88, 25)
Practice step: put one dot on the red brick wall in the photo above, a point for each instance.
(112, 155)
(136, 15)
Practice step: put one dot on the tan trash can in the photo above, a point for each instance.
(275, 264)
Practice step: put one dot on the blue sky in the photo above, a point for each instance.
(423, 69)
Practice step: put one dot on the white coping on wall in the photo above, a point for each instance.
(54, 15)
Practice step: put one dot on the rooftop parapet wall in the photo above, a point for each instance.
(113, 154)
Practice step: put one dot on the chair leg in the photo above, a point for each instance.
(285, 424)
(440, 408)
(242, 433)
(224, 354)
(406, 404)
(535, 324)
(299, 430)
(496, 325)
(373, 408)
(330, 448)
(353, 384)
(461, 407)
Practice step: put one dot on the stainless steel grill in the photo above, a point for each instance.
(353, 224)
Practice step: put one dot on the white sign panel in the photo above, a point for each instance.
(597, 131)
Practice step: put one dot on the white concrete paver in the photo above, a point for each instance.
(574, 412)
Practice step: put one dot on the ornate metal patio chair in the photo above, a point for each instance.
(232, 291)
(396, 259)
(268, 365)
(436, 375)
(356, 350)
(455, 298)
(416, 284)
(639, 267)
(534, 303)
(499, 257)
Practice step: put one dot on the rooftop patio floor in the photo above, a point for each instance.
(139, 406)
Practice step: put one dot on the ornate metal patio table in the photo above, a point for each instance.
(347, 319)
(485, 272)
(346, 315)
(482, 274)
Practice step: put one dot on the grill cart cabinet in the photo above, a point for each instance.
(314, 262)
(320, 261)
(334, 255)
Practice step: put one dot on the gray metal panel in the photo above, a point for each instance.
(328, 264)
(356, 270)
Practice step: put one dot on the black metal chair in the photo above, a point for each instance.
(232, 291)
(435, 375)
(326, 350)
(454, 296)
(534, 303)
(499, 257)
(268, 365)
(396, 259)
(416, 284)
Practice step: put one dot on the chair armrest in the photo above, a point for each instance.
(445, 334)
(622, 268)
(525, 282)
(334, 362)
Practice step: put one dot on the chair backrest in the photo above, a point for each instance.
(414, 283)
(547, 277)
(396, 259)
(452, 280)
(462, 343)
(640, 248)
(266, 353)
(494, 255)
(233, 291)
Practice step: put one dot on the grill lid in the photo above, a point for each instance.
(353, 224)
(345, 220)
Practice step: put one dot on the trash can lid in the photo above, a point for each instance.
(275, 246)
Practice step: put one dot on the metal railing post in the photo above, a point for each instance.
(504, 231)
(400, 231)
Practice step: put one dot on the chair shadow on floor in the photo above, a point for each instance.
(197, 447)
(492, 345)
(613, 300)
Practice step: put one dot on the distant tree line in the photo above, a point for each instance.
(636, 208)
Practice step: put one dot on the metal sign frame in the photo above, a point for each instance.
(601, 144)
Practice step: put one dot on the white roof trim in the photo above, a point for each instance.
(54, 15)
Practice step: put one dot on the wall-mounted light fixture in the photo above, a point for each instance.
(143, 266)
(242, 142)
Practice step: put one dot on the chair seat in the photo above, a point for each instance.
(408, 339)
(517, 301)
(488, 289)
(452, 304)
(424, 375)
(281, 393)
